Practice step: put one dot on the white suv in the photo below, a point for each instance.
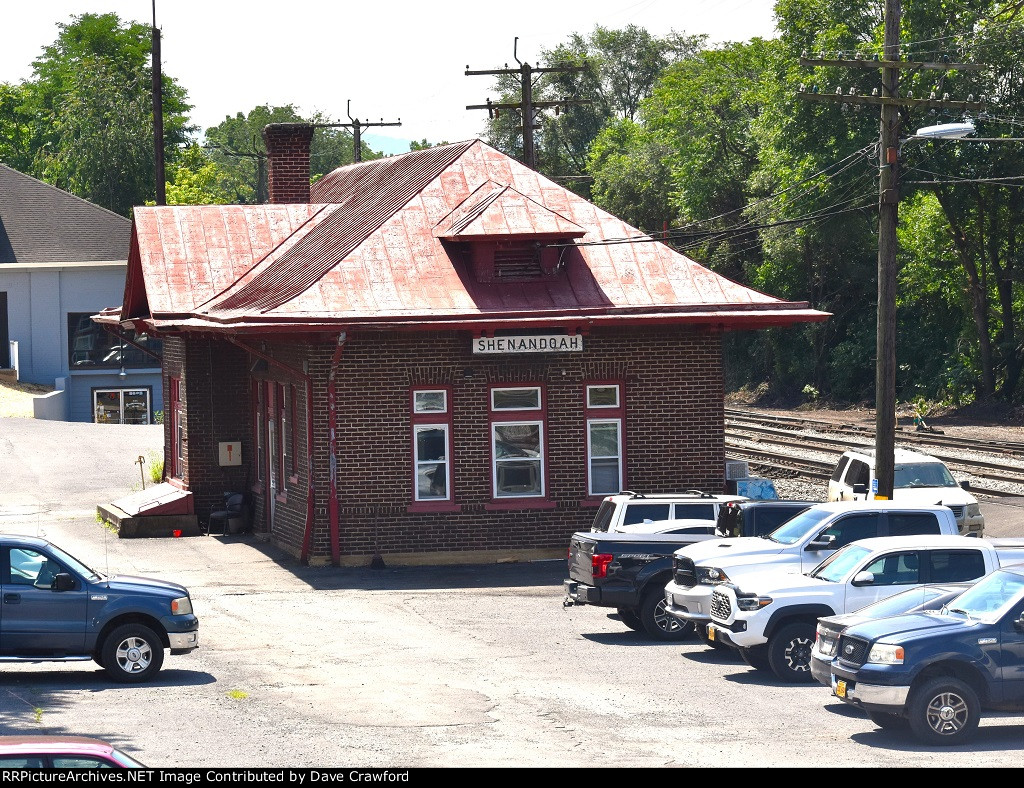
(918, 478)
(618, 512)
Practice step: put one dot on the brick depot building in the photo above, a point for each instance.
(438, 357)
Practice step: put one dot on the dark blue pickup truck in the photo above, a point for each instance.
(936, 672)
(56, 609)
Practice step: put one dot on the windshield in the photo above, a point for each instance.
(922, 474)
(902, 602)
(989, 598)
(793, 531)
(73, 563)
(838, 565)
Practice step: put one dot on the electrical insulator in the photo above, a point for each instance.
(874, 91)
(945, 97)
(814, 88)
(839, 90)
(804, 54)
(970, 97)
(852, 92)
(931, 95)
(910, 94)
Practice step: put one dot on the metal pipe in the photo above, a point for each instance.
(332, 408)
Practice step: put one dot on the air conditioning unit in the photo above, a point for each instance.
(736, 469)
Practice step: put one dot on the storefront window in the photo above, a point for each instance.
(121, 406)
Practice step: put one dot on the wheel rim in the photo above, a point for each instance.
(947, 713)
(798, 655)
(134, 655)
(664, 621)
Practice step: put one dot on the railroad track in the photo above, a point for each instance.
(754, 437)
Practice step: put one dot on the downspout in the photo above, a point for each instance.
(307, 538)
(332, 408)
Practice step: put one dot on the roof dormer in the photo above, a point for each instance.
(507, 236)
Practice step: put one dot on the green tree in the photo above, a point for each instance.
(195, 179)
(84, 119)
(616, 69)
(236, 145)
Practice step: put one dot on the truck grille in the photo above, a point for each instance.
(958, 510)
(683, 572)
(720, 606)
(853, 651)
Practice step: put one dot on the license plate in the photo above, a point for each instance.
(711, 632)
(840, 688)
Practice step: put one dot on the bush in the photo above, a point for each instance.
(156, 467)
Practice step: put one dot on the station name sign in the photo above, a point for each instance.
(551, 343)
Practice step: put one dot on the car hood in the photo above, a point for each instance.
(716, 550)
(933, 495)
(782, 579)
(910, 626)
(128, 584)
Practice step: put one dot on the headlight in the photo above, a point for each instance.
(750, 602)
(886, 654)
(182, 606)
(711, 575)
(972, 510)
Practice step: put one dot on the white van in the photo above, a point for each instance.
(918, 478)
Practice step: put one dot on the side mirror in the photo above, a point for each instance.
(1018, 624)
(822, 542)
(860, 489)
(63, 582)
(864, 578)
(965, 485)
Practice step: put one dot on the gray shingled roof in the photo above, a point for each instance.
(40, 223)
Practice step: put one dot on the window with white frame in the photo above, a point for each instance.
(604, 439)
(517, 442)
(431, 438)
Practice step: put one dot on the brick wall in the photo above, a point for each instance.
(674, 437)
(288, 161)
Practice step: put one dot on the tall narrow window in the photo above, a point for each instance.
(258, 408)
(431, 438)
(517, 442)
(285, 427)
(177, 429)
(604, 438)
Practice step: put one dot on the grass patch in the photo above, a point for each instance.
(237, 694)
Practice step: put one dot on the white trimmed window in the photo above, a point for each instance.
(604, 417)
(517, 442)
(431, 439)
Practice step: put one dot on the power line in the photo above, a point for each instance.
(357, 126)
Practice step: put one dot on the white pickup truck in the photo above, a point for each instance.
(771, 616)
(798, 545)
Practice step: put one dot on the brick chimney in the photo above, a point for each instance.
(288, 157)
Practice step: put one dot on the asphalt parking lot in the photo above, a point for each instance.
(465, 666)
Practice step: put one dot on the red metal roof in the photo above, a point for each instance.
(371, 252)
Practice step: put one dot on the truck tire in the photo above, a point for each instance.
(630, 619)
(944, 710)
(889, 722)
(789, 652)
(657, 622)
(132, 653)
(756, 657)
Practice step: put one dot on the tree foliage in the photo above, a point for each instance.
(84, 121)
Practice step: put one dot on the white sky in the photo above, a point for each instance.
(400, 61)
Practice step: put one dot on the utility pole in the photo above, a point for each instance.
(158, 117)
(888, 206)
(527, 105)
(357, 126)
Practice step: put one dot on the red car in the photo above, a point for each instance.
(62, 752)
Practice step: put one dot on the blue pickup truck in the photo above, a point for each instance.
(935, 672)
(56, 609)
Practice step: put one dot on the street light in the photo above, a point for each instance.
(885, 370)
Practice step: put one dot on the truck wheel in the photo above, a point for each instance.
(889, 722)
(756, 657)
(789, 653)
(944, 710)
(132, 653)
(658, 622)
(630, 619)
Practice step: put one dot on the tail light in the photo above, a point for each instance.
(599, 564)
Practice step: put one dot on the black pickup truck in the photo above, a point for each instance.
(628, 571)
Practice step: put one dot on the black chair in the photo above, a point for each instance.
(233, 506)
